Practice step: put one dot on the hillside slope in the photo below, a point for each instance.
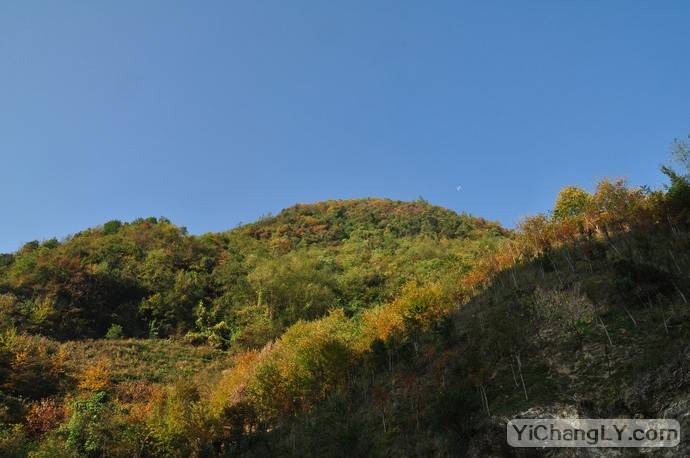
(358, 328)
(179, 312)
(150, 278)
(582, 314)
(604, 337)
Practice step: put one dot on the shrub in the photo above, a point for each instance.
(308, 361)
(44, 415)
(114, 332)
(112, 226)
(570, 310)
(13, 441)
(30, 366)
(96, 377)
(97, 427)
(179, 424)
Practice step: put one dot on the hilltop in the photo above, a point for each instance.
(336, 220)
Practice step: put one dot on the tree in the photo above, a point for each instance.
(681, 152)
(112, 227)
(571, 202)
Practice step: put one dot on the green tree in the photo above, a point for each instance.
(571, 202)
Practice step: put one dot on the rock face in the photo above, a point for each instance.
(490, 440)
(663, 393)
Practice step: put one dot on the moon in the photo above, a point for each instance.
(459, 188)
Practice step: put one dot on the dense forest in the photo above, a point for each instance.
(365, 327)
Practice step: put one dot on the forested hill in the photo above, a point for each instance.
(149, 278)
(349, 328)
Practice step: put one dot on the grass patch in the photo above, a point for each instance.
(147, 360)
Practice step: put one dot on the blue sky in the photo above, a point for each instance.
(214, 113)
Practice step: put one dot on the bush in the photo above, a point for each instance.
(114, 332)
(44, 416)
(570, 311)
(96, 377)
(179, 424)
(30, 366)
(97, 427)
(13, 441)
(112, 226)
(310, 360)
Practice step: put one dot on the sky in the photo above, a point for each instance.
(214, 113)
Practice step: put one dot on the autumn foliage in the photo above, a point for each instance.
(306, 307)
